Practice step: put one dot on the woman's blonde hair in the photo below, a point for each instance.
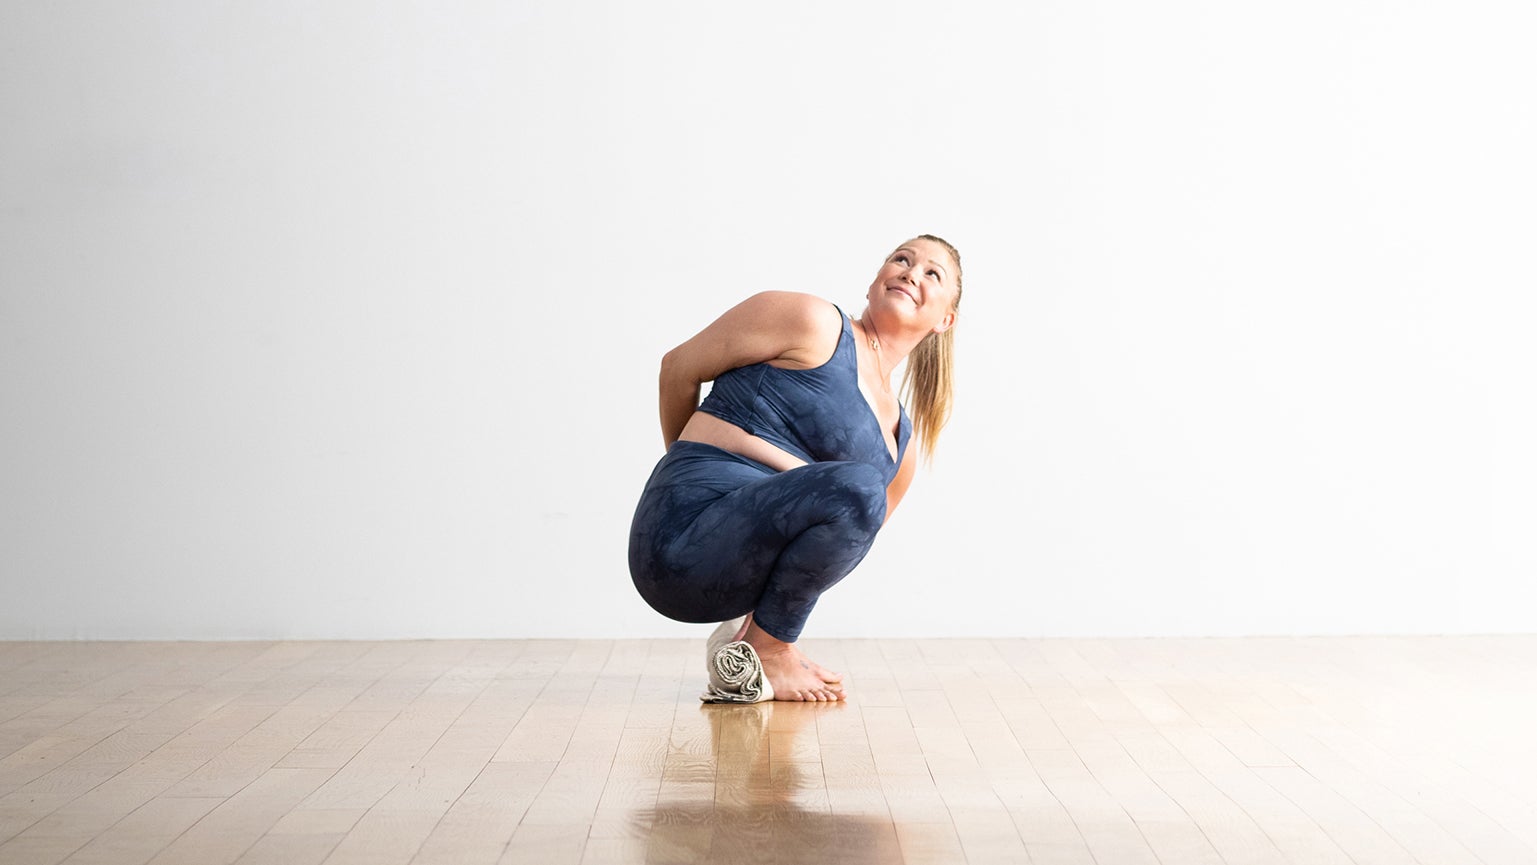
(929, 381)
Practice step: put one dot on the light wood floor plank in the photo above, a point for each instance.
(289, 850)
(144, 832)
(232, 828)
(480, 824)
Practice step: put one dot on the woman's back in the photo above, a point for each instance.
(813, 414)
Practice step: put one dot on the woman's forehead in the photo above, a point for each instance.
(928, 250)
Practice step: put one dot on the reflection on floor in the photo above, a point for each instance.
(1287, 750)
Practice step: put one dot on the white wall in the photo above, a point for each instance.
(342, 320)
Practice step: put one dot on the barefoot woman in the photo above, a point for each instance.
(772, 490)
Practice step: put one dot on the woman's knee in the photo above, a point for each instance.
(857, 491)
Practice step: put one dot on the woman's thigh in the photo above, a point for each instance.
(711, 527)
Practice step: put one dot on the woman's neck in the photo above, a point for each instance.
(890, 347)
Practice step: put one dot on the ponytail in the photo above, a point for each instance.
(929, 385)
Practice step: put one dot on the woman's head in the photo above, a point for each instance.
(919, 284)
(930, 268)
(954, 255)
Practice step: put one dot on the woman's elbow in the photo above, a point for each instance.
(673, 370)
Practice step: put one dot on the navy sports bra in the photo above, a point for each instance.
(816, 414)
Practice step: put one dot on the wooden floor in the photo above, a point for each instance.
(1320, 750)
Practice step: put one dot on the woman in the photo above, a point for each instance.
(773, 488)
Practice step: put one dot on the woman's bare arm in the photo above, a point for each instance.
(781, 326)
(899, 484)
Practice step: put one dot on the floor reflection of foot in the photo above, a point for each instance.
(769, 800)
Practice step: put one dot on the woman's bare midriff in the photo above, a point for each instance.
(711, 430)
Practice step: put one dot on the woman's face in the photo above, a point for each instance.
(917, 284)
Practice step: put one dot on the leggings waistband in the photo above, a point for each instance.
(683, 449)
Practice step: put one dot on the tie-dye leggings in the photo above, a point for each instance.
(718, 535)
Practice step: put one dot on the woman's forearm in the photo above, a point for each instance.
(678, 397)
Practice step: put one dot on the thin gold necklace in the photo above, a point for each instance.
(880, 360)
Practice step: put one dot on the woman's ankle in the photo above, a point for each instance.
(763, 641)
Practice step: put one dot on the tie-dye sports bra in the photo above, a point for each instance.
(816, 414)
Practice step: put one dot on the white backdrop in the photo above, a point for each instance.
(343, 320)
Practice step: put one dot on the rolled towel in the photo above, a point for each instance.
(736, 673)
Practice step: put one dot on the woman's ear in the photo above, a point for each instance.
(945, 323)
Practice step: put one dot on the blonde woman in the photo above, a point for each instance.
(774, 487)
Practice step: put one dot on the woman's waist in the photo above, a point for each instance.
(706, 428)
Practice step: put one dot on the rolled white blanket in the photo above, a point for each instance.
(736, 673)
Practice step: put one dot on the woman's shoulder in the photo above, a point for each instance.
(809, 326)
(797, 309)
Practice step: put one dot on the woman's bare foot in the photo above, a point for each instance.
(792, 674)
(825, 674)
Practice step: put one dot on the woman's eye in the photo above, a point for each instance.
(901, 258)
(934, 273)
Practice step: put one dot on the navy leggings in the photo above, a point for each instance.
(718, 535)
